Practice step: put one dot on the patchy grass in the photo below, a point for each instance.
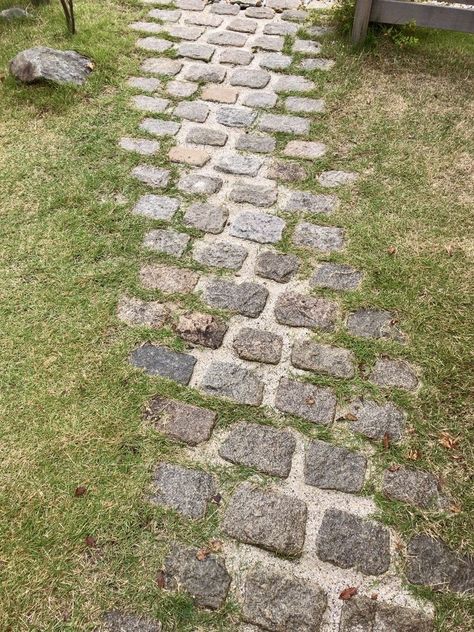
(70, 247)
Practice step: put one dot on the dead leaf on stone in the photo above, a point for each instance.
(202, 553)
(215, 546)
(394, 467)
(447, 440)
(161, 579)
(80, 491)
(455, 508)
(386, 441)
(348, 593)
(310, 401)
(351, 417)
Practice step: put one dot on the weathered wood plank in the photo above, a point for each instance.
(433, 16)
(361, 20)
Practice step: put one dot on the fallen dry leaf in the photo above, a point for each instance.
(449, 249)
(374, 596)
(202, 553)
(348, 593)
(394, 467)
(414, 455)
(386, 441)
(90, 541)
(80, 491)
(217, 499)
(391, 250)
(447, 440)
(455, 508)
(215, 546)
(161, 579)
(351, 417)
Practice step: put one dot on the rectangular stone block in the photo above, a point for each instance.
(313, 403)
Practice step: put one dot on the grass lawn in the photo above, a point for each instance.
(71, 405)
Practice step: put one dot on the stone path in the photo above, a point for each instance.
(215, 108)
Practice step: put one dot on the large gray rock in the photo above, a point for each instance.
(225, 379)
(331, 467)
(47, 64)
(14, 13)
(180, 421)
(278, 602)
(313, 403)
(156, 360)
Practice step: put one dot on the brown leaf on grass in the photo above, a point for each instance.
(449, 249)
(394, 467)
(447, 440)
(391, 250)
(90, 541)
(414, 455)
(348, 593)
(386, 441)
(161, 579)
(80, 491)
(455, 508)
(215, 546)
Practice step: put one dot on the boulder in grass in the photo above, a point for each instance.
(47, 64)
(14, 13)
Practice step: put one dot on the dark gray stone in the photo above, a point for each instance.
(169, 279)
(255, 194)
(206, 136)
(220, 254)
(116, 621)
(233, 116)
(411, 486)
(204, 72)
(168, 241)
(361, 614)
(322, 238)
(224, 379)
(153, 176)
(238, 164)
(156, 206)
(206, 580)
(311, 203)
(258, 346)
(299, 310)
(134, 311)
(279, 602)
(47, 64)
(336, 276)
(264, 448)
(227, 38)
(156, 360)
(374, 323)
(185, 490)
(197, 184)
(284, 123)
(259, 143)
(431, 563)
(192, 111)
(211, 219)
(268, 519)
(286, 170)
(201, 329)
(313, 356)
(180, 421)
(358, 615)
(313, 403)
(352, 542)
(276, 266)
(331, 467)
(249, 77)
(375, 420)
(247, 299)
(260, 227)
(389, 373)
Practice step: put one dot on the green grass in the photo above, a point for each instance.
(70, 404)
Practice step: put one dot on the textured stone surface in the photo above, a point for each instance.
(282, 123)
(390, 373)
(161, 66)
(153, 176)
(192, 111)
(236, 57)
(255, 226)
(147, 27)
(258, 345)
(140, 145)
(227, 38)
(156, 360)
(134, 311)
(304, 150)
(249, 77)
(286, 170)
(191, 5)
(317, 64)
(258, 143)
(207, 217)
(220, 254)
(189, 156)
(374, 420)
(154, 44)
(281, 5)
(334, 179)
(185, 490)
(260, 13)
(166, 15)
(299, 310)
(272, 520)
(116, 621)
(157, 127)
(294, 15)
(336, 276)
(306, 47)
(14, 13)
(431, 563)
(312, 356)
(219, 94)
(280, 602)
(322, 238)
(279, 28)
(352, 542)
(146, 103)
(293, 83)
(201, 329)
(225, 379)
(260, 99)
(196, 184)
(203, 20)
(189, 33)
(235, 116)
(195, 51)
(206, 580)
(269, 42)
(204, 72)
(310, 202)
(222, 8)
(201, 135)
(180, 421)
(304, 105)
(274, 61)
(47, 64)
(374, 323)
(358, 615)
(242, 25)
(181, 89)
(255, 194)
(168, 241)
(156, 206)
(238, 164)
(168, 279)
(312, 403)
(264, 448)
(144, 84)
(411, 486)
(330, 467)
(276, 266)
(361, 614)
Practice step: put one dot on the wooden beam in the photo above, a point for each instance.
(430, 15)
(361, 20)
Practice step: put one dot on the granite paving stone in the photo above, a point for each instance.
(358, 615)
(274, 61)
(317, 64)
(168, 279)
(166, 15)
(168, 241)
(281, 5)
(153, 176)
(304, 105)
(145, 84)
(158, 127)
(189, 33)
(256, 226)
(306, 47)
(414, 487)
(147, 27)
(389, 373)
(334, 179)
(197, 184)
(155, 44)
(269, 42)
(201, 329)
(265, 518)
(227, 38)
(180, 421)
(258, 143)
(374, 323)
(181, 89)
(375, 420)
(281, 123)
(222, 8)
(116, 621)
(206, 73)
(247, 299)
(249, 77)
(232, 381)
(185, 490)
(192, 111)
(195, 51)
(161, 66)
(287, 171)
(276, 266)
(191, 5)
(236, 57)
(134, 311)
(259, 13)
(260, 99)
(279, 28)
(157, 360)
(220, 254)
(294, 83)
(140, 146)
(201, 135)
(313, 403)
(145, 103)
(235, 116)
(336, 276)
(331, 467)
(156, 206)
(239, 164)
(219, 94)
(304, 149)
(311, 202)
(189, 156)
(313, 356)
(294, 15)
(206, 217)
(299, 310)
(391, 618)
(242, 25)
(322, 238)
(258, 346)
(256, 194)
(203, 20)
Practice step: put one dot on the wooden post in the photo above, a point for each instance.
(361, 20)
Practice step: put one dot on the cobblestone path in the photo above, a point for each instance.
(215, 108)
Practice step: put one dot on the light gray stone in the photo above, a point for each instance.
(207, 73)
(286, 170)
(294, 83)
(306, 47)
(313, 356)
(47, 64)
(219, 94)
(294, 15)
(348, 541)
(189, 155)
(247, 299)
(220, 254)
(192, 111)
(201, 329)
(206, 217)
(259, 13)
(333, 179)
(330, 467)
(147, 27)
(311, 202)
(304, 105)
(197, 184)
(141, 146)
(145, 103)
(195, 51)
(144, 84)
(276, 266)
(180, 421)
(222, 8)
(260, 99)
(168, 279)
(304, 150)
(313, 403)
(181, 89)
(300, 310)
(225, 379)
(159, 128)
(317, 64)
(205, 579)
(14, 13)
(161, 66)
(154, 44)
(282, 123)
(411, 486)
(156, 206)
(206, 136)
(191, 5)
(156, 360)
(336, 276)
(257, 195)
(269, 42)
(260, 227)
(168, 241)
(274, 61)
(279, 28)
(227, 38)
(258, 346)
(235, 116)
(238, 164)
(116, 621)
(389, 373)
(258, 143)
(268, 519)
(281, 5)
(242, 25)
(134, 311)
(153, 176)
(358, 615)
(203, 19)
(374, 323)
(236, 56)
(185, 490)
(375, 420)
(188, 33)
(319, 31)
(250, 78)
(322, 238)
(165, 15)
(276, 601)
